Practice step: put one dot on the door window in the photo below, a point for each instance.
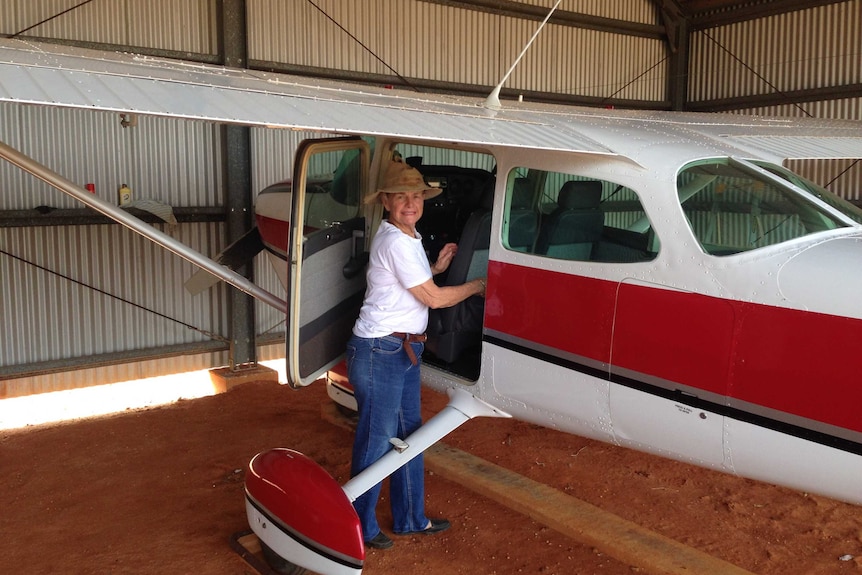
(569, 217)
(326, 255)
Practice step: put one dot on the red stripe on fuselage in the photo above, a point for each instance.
(561, 311)
(275, 232)
(792, 361)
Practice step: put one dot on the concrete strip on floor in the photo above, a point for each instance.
(619, 538)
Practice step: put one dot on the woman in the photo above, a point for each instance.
(383, 356)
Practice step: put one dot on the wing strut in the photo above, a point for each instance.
(462, 407)
(121, 216)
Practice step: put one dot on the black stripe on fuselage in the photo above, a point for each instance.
(679, 396)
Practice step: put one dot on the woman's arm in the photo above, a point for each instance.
(436, 297)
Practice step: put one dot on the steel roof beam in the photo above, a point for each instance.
(777, 99)
(703, 14)
(560, 17)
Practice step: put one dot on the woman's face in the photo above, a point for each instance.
(405, 209)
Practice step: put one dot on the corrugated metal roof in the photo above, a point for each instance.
(73, 77)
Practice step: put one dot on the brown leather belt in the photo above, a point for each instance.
(409, 338)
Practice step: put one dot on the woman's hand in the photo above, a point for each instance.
(444, 258)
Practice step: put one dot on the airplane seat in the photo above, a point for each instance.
(523, 219)
(576, 224)
(452, 330)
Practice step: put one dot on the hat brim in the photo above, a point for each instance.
(429, 192)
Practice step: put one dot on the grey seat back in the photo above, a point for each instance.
(523, 218)
(453, 329)
(572, 229)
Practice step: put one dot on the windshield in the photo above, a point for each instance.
(732, 210)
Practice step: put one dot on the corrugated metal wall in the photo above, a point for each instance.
(82, 291)
(432, 41)
(814, 48)
(57, 308)
(47, 318)
(160, 159)
(187, 26)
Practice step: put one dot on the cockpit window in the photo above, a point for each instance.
(731, 209)
(821, 193)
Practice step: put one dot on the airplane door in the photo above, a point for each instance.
(326, 254)
(671, 362)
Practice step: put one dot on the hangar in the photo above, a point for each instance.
(85, 301)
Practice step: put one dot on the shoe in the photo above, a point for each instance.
(379, 541)
(434, 526)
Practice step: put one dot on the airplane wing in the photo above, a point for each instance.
(793, 139)
(53, 75)
(79, 78)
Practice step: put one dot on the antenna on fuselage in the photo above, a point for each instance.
(493, 99)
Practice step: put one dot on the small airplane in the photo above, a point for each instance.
(656, 280)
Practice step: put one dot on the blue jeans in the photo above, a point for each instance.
(387, 390)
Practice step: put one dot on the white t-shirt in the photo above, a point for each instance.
(397, 262)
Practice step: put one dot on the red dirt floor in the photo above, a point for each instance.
(160, 490)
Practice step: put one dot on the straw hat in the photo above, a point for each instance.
(400, 177)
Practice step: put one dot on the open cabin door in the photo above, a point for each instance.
(326, 253)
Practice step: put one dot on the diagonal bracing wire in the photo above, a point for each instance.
(57, 15)
(635, 79)
(209, 334)
(366, 48)
(844, 171)
(753, 71)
